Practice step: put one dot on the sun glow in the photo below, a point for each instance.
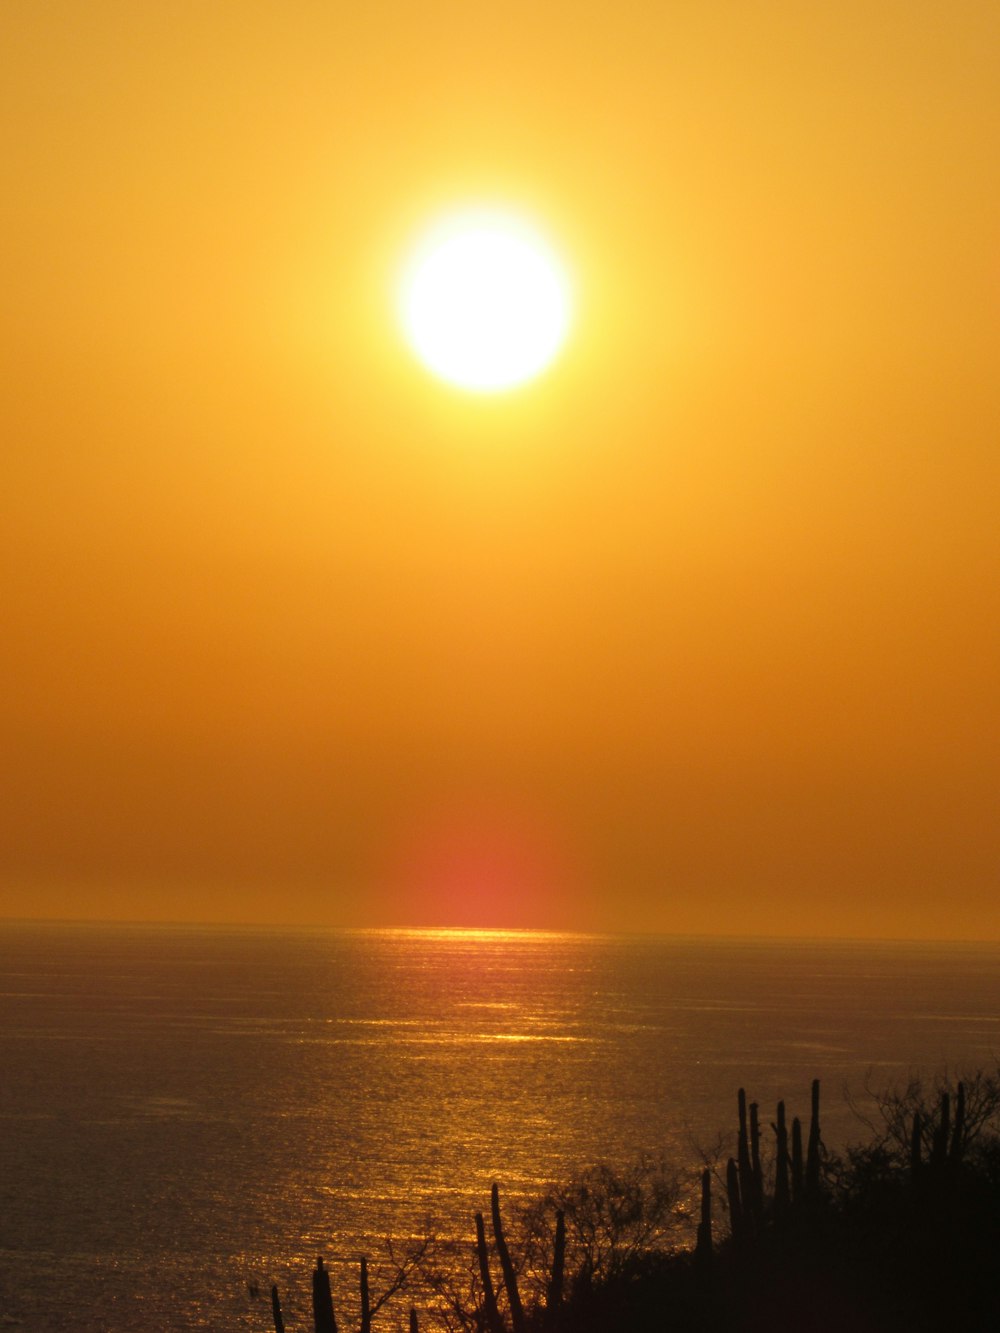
(485, 302)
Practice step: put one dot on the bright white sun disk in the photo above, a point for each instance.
(485, 303)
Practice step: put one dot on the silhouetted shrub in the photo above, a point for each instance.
(897, 1234)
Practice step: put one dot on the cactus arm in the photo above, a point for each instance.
(323, 1316)
(509, 1276)
(493, 1320)
(279, 1323)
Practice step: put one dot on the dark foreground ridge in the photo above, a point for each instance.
(898, 1235)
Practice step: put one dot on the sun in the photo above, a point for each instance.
(485, 301)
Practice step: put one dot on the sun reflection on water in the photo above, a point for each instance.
(256, 1098)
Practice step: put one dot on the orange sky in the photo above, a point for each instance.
(699, 632)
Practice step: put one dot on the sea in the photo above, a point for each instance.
(189, 1114)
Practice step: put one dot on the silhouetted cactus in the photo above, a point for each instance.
(814, 1149)
(896, 1239)
(490, 1310)
(553, 1297)
(509, 1276)
(798, 1167)
(366, 1309)
(781, 1169)
(323, 1317)
(755, 1204)
(737, 1220)
(743, 1149)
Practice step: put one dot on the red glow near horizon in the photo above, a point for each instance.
(479, 867)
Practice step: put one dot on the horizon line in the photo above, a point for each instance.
(495, 932)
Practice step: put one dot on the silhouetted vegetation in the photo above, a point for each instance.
(900, 1232)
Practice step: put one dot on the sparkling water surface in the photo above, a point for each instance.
(184, 1110)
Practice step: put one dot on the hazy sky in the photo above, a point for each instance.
(700, 632)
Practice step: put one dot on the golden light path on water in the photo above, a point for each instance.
(238, 1101)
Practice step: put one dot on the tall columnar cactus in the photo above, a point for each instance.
(279, 1323)
(366, 1308)
(323, 1318)
(509, 1275)
(815, 1144)
(798, 1167)
(755, 1204)
(743, 1150)
(737, 1219)
(553, 1297)
(781, 1172)
(493, 1321)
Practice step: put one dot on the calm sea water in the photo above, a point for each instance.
(185, 1110)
